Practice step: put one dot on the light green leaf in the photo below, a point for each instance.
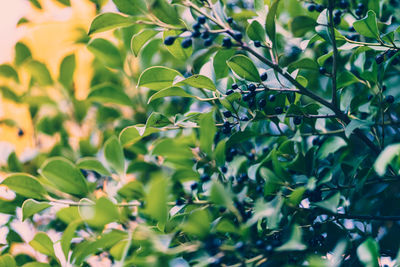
(255, 31)
(157, 199)
(244, 68)
(294, 243)
(346, 78)
(92, 164)
(25, 185)
(165, 12)
(108, 21)
(331, 145)
(207, 132)
(198, 81)
(140, 39)
(220, 196)
(368, 26)
(219, 62)
(157, 120)
(176, 48)
(171, 91)
(270, 21)
(368, 253)
(109, 94)
(301, 25)
(106, 52)
(31, 207)
(330, 204)
(198, 223)
(22, 53)
(385, 157)
(64, 175)
(35, 264)
(304, 63)
(8, 71)
(132, 134)
(356, 124)
(114, 154)
(39, 72)
(67, 69)
(157, 77)
(100, 214)
(131, 7)
(7, 260)
(43, 244)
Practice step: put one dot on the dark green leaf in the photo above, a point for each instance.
(244, 68)
(108, 21)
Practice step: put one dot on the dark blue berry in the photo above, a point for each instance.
(278, 110)
(343, 4)
(179, 202)
(264, 76)
(196, 26)
(187, 42)
(208, 42)
(194, 186)
(360, 6)
(391, 53)
(390, 99)
(169, 40)
(227, 42)
(227, 114)
(205, 35)
(244, 118)
(205, 178)
(262, 103)
(238, 36)
(257, 43)
(201, 19)
(271, 98)
(322, 70)
(229, 20)
(252, 87)
(337, 13)
(319, 8)
(336, 20)
(297, 120)
(196, 34)
(379, 58)
(230, 91)
(226, 130)
(311, 8)
(235, 86)
(370, 97)
(358, 12)
(224, 169)
(20, 132)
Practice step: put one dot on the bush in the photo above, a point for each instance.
(222, 133)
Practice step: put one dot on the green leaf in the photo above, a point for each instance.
(7, 260)
(22, 53)
(294, 243)
(220, 196)
(165, 12)
(368, 26)
(131, 7)
(198, 81)
(114, 154)
(219, 153)
(132, 190)
(255, 31)
(157, 120)
(176, 48)
(301, 25)
(109, 94)
(157, 77)
(368, 253)
(140, 39)
(25, 185)
(13, 163)
(39, 72)
(331, 145)
(92, 164)
(31, 207)
(67, 69)
(330, 204)
(244, 68)
(36, 4)
(219, 62)
(198, 223)
(8, 71)
(64, 2)
(64, 175)
(36, 264)
(106, 52)
(270, 21)
(356, 124)
(157, 200)
(346, 78)
(108, 21)
(385, 157)
(43, 244)
(100, 214)
(304, 63)
(207, 132)
(171, 91)
(132, 134)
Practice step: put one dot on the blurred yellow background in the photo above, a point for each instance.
(50, 34)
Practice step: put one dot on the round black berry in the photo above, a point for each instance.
(343, 4)
(235, 86)
(390, 99)
(169, 40)
(264, 76)
(358, 12)
(319, 8)
(322, 70)
(238, 36)
(194, 186)
(187, 42)
(205, 35)
(271, 98)
(196, 26)
(227, 114)
(252, 87)
(205, 178)
(20, 132)
(201, 19)
(230, 91)
(244, 118)
(196, 34)
(278, 110)
(337, 13)
(227, 42)
(179, 202)
(384, 88)
(297, 120)
(379, 58)
(208, 42)
(257, 43)
(224, 169)
(360, 6)
(311, 8)
(370, 97)
(336, 20)
(229, 20)
(262, 103)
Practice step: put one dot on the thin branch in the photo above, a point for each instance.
(331, 27)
